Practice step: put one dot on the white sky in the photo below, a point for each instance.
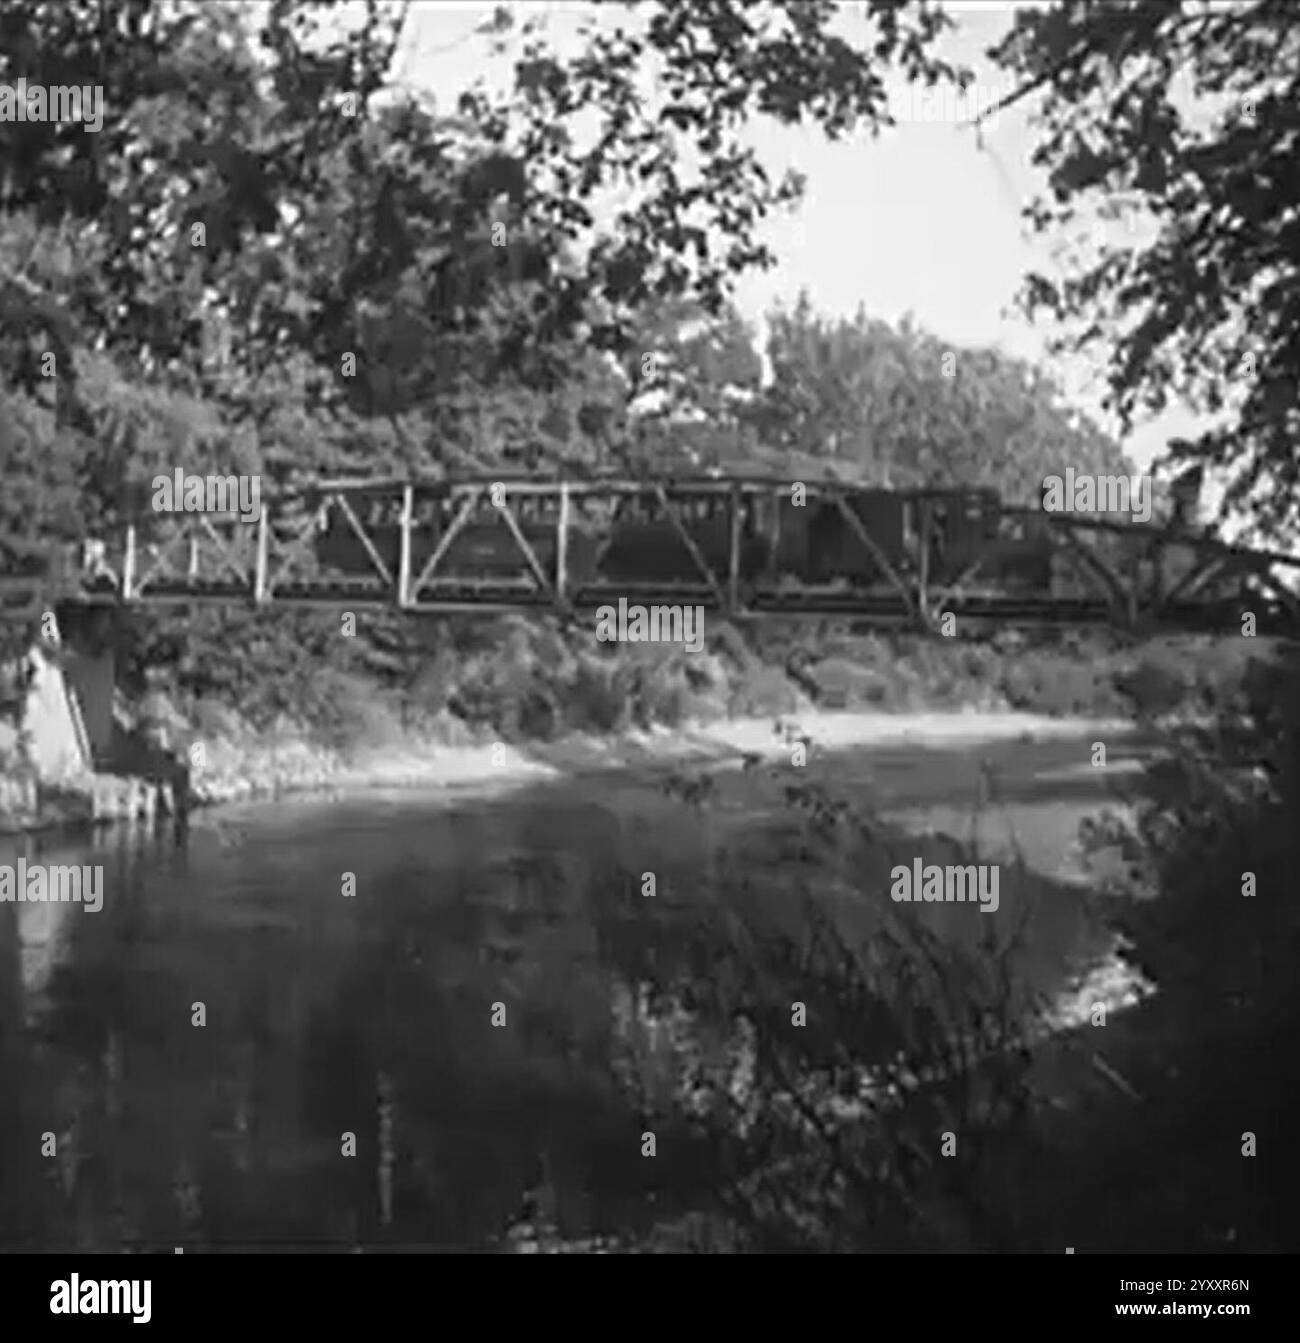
(918, 220)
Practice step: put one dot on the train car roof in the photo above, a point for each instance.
(622, 483)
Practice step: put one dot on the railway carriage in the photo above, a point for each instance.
(1023, 558)
(630, 540)
(837, 553)
(961, 532)
(483, 551)
(621, 537)
(645, 545)
(340, 547)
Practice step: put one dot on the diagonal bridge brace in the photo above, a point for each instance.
(1199, 577)
(228, 560)
(1089, 565)
(376, 560)
(688, 541)
(881, 559)
(160, 564)
(544, 584)
(468, 504)
(296, 546)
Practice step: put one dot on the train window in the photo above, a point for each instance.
(380, 512)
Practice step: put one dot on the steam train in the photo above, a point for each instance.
(630, 540)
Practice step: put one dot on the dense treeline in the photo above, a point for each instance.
(266, 261)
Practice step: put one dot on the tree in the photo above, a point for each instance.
(1185, 118)
(695, 193)
(251, 217)
(899, 406)
(260, 265)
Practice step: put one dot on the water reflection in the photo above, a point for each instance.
(232, 1050)
(237, 1051)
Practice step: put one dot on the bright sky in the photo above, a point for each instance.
(919, 220)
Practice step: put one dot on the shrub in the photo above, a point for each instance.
(764, 690)
(800, 1139)
(596, 697)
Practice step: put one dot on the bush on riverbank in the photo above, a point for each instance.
(1220, 845)
(1214, 1056)
(411, 685)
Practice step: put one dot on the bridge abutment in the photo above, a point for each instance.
(90, 671)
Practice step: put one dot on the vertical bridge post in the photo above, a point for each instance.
(260, 594)
(733, 556)
(925, 533)
(562, 547)
(128, 565)
(404, 556)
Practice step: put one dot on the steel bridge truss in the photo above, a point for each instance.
(1122, 573)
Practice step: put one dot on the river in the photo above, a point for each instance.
(286, 975)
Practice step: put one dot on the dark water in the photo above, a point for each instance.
(327, 1014)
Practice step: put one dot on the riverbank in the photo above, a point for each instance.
(75, 802)
(232, 774)
(529, 704)
(524, 701)
(244, 769)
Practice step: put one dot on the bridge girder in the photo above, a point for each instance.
(1115, 572)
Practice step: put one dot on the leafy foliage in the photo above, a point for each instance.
(1181, 122)
(259, 212)
(900, 406)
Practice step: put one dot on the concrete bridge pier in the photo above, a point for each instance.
(77, 729)
(88, 636)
